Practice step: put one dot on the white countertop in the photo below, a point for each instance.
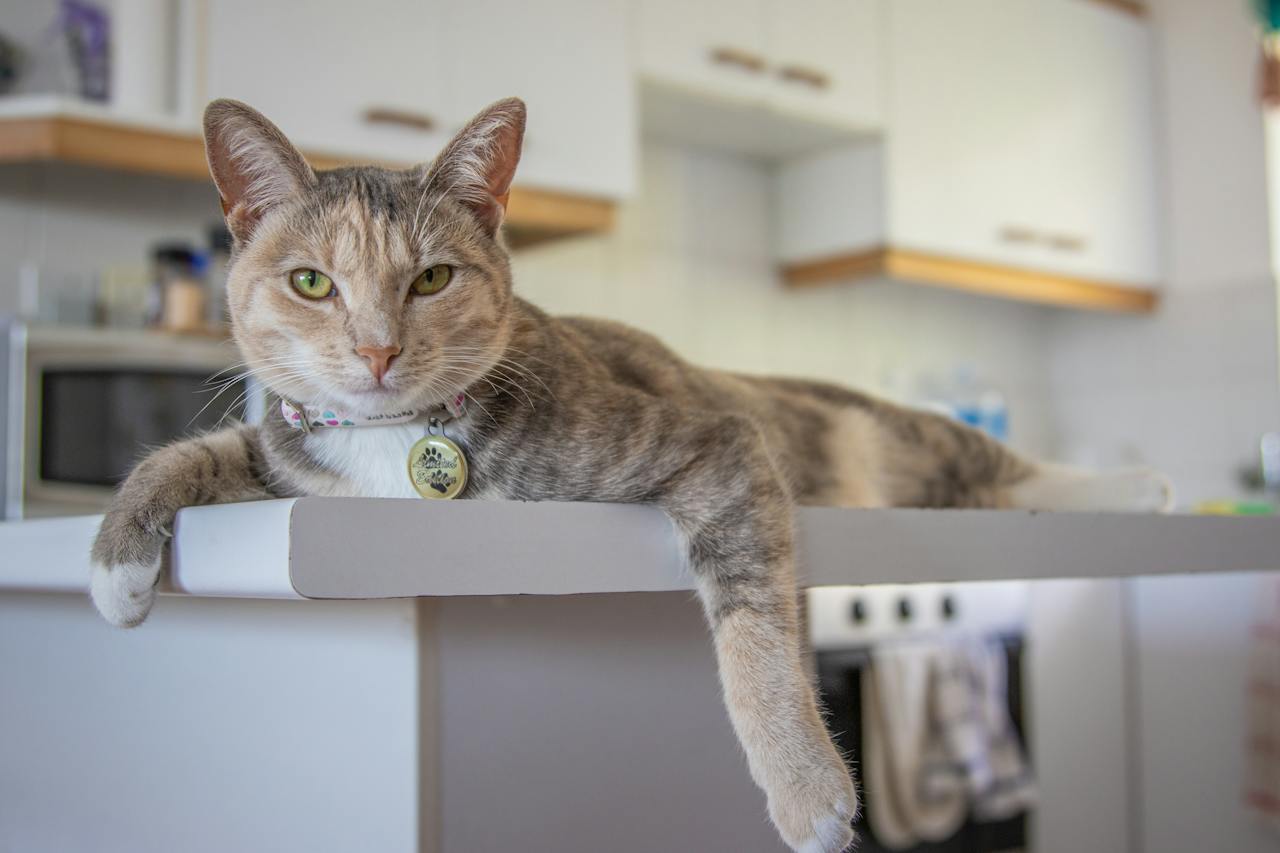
(364, 548)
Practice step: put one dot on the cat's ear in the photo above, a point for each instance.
(478, 165)
(253, 165)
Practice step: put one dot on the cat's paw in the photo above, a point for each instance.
(815, 814)
(1137, 490)
(125, 569)
(124, 594)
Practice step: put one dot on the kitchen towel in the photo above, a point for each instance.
(938, 741)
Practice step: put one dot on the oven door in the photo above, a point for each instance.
(840, 679)
(96, 401)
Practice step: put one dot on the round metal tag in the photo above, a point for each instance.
(437, 467)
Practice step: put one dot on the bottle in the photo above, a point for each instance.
(178, 298)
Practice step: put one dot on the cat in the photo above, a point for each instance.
(379, 292)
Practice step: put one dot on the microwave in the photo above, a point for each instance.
(83, 405)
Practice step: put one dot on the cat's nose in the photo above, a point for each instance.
(378, 359)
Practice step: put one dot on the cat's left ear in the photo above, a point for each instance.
(478, 165)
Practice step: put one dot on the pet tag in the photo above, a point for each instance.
(437, 467)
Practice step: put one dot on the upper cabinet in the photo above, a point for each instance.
(356, 78)
(765, 77)
(825, 60)
(1017, 158)
(568, 60)
(1022, 133)
(392, 81)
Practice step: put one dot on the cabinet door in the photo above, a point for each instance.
(963, 138)
(710, 47)
(825, 59)
(1098, 187)
(317, 73)
(1021, 134)
(568, 60)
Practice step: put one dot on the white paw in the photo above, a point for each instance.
(1139, 490)
(124, 594)
(832, 834)
(814, 814)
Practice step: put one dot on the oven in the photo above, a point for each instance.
(846, 625)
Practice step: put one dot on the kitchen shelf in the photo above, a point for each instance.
(61, 130)
(1007, 282)
(354, 548)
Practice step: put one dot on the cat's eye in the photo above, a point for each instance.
(432, 280)
(312, 284)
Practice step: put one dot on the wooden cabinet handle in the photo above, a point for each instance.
(1067, 242)
(807, 76)
(400, 118)
(738, 58)
(1017, 234)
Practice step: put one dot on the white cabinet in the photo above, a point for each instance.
(826, 59)
(568, 60)
(395, 79)
(319, 74)
(817, 60)
(1018, 158)
(1022, 133)
(715, 47)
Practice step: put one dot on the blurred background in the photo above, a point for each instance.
(1048, 218)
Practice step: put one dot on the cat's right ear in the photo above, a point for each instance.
(253, 165)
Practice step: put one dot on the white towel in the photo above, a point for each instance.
(938, 741)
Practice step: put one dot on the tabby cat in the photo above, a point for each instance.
(388, 294)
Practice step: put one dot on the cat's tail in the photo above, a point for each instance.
(930, 460)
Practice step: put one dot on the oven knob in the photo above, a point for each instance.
(948, 607)
(858, 612)
(904, 609)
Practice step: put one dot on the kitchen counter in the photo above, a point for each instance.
(361, 548)
(524, 676)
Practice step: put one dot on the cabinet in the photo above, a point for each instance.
(813, 62)
(1018, 159)
(393, 80)
(326, 76)
(1022, 133)
(568, 60)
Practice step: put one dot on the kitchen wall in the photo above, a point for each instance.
(690, 261)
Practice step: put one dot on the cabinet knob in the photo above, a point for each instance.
(399, 118)
(744, 59)
(806, 76)
(1019, 234)
(1067, 242)
(858, 611)
(904, 609)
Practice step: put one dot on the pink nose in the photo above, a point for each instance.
(378, 358)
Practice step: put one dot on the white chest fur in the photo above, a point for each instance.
(369, 462)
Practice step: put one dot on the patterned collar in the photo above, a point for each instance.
(307, 418)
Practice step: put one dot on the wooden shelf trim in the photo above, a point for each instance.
(534, 215)
(1006, 282)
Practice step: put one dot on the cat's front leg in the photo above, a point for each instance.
(214, 468)
(737, 516)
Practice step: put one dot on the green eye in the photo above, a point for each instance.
(433, 280)
(311, 284)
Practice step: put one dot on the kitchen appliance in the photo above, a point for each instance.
(82, 405)
(846, 623)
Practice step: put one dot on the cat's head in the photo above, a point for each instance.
(366, 288)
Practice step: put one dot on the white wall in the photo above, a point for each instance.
(690, 261)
